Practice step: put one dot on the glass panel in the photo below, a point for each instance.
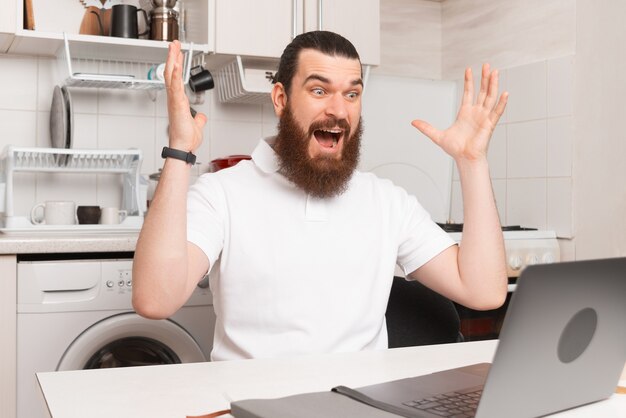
(132, 351)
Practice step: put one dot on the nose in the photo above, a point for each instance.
(337, 106)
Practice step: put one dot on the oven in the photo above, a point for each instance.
(523, 247)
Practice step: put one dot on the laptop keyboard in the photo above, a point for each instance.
(451, 405)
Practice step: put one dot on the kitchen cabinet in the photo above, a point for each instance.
(62, 18)
(263, 28)
(7, 25)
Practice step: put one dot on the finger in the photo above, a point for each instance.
(427, 129)
(172, 52)
(484, 84)
(200, 120)
(499, 109)
(468, 89)
(492, 92)
(177, 70)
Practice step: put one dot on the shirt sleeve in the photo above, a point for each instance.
(206, 216)
(421, 239)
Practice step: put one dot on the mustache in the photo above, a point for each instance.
(330, 123)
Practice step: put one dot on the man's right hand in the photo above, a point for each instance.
(185, 131)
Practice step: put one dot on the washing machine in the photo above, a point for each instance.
(77, 314)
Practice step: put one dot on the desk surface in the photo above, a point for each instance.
(194, 389)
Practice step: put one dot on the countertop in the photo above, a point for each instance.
(199, 388)
(67, 243)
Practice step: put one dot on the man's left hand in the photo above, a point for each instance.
(468, 137)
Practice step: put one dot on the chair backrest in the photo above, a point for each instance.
(417, 315)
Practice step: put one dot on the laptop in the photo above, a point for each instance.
(562, 345)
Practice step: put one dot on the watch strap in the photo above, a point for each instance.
(177, 154)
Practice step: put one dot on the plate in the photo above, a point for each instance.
(58, 119)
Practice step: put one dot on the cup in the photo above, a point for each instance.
(112, 216)
(54, 212)
(124, 21)
(201, 80)
(88, 214)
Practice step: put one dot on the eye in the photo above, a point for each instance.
(352, 95)
(317, 91)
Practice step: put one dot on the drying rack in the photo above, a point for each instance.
(55, 160)
(237, 83)
(117, 73)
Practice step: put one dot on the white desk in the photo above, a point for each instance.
(194, 389)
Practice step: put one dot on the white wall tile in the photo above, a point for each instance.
(19, 127)
(125, 102)
(527, 92)
(123, 132)
(18, 83)
(269, 130)
(559, 195)
(526, 149)
(560, 93)
(526, 202)
(228, 138)
(234, 112)
(77, 187)
(24, 193)
(85, 131)
(560, 140)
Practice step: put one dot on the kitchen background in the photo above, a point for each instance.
(556, 156)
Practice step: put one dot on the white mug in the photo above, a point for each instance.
(112, 216)
(54, 212)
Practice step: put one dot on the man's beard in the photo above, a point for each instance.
(322, 176)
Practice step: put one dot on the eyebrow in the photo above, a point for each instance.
(355, 82)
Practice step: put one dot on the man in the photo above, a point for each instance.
(302, 247)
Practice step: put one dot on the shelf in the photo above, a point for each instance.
(105, 73)
(28, 42)
(126, 162)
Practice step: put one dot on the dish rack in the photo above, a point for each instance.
(117, 73)
(237, 83)
(55, 160)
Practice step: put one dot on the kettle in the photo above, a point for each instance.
(164, 20)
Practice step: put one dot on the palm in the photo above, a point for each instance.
(468, 137)
(185, 131)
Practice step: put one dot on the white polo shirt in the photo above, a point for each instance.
(293, 274)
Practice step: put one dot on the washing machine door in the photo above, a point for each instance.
(127, 339)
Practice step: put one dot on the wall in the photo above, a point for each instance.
(530, 154)
(409, 49)
(599, 193)
(505, 33)
(108, 119)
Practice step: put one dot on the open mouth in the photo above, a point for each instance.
(328, 138)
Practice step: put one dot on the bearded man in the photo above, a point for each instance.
(302, 246)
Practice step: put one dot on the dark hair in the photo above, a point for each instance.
(326, 42)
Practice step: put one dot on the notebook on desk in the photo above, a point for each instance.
(562, 345)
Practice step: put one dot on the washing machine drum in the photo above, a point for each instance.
(129, 340)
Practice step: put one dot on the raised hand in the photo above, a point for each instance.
(185, 131)
(468, 137)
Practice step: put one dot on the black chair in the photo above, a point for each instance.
(417, 315)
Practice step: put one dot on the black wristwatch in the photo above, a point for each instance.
(187, 157)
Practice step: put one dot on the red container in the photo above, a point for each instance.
(221, 163)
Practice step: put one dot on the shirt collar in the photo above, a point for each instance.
(264, 156)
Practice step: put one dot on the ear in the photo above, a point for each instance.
(279, 98)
